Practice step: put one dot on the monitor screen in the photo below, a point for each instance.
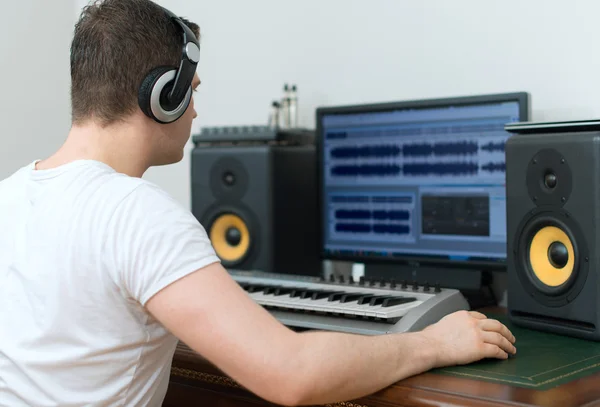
(421, 180)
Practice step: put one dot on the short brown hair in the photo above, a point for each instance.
(115, 45)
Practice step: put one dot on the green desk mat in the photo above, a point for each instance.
(542, 361)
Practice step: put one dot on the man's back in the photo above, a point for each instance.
(79, 256)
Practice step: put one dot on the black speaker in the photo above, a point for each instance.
(254, 190)
(552, 203)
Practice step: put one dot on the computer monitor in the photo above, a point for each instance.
(417, 181)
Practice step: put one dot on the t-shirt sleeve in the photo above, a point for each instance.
(155, 241)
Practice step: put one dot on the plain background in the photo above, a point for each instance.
(335, 51)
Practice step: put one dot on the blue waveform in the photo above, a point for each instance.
(420, 169)
(379, 229)
(493, 167)
(491, 147)
(392, 229)
(391, 215)
(440, 149)
(352, 214)
(365, 151)
(361, 214)
(353, 227)
(366, 170)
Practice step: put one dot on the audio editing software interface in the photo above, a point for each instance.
(424, 182)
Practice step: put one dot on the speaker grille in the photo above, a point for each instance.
(551, 257)
(230, 237)
(234, 233)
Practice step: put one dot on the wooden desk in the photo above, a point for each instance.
(195, 382)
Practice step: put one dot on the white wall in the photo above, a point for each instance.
(35, 107)
(356, 51)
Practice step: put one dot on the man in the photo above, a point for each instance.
(102, 272)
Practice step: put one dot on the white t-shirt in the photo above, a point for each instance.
(82, 249)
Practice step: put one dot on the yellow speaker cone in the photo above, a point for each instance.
(551, 256)
(230, 237)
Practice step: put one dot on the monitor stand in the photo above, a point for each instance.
(475, 285)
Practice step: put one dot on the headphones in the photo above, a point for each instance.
(165, 93)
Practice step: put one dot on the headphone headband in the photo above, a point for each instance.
(190, 56)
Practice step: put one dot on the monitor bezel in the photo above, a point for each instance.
(498, 264)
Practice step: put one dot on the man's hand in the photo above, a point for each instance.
(468, 336)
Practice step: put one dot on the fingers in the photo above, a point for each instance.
(477, 315)
(494, 338)
(492, 351)
(496, 326)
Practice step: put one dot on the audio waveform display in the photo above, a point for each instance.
(492, 147)
(494, 167)
(456, 169)
(382, 162)
(377, 228)
(363, 214)
(409, 169)
(440, 149)
(366, 151)
(367, 170)
(372, 217)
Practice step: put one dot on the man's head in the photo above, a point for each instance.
(116, 44)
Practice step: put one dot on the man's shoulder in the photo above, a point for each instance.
(15, 177)
(12, 182)
(120, 187)
(139, 199)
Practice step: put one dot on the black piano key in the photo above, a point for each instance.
(324, 294)
(378, 300)
(270, 289)
(284, 290)
(351, 297)
(308, 293)
(365, 299)
(336, 296)
(297, 292)
(255, 288)
(390, 302)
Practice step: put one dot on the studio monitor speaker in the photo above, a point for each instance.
(553, 203)
(255, 193)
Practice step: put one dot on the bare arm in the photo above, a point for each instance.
(210, 313)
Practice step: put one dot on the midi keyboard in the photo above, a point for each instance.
(366, 306)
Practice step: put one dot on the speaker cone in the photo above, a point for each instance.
(230, 237)
(551, 256)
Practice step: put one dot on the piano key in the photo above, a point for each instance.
(324, 294)
(290, 297)
(270, 289)
(284, 290)
(349, 297)
(390, 302)
(336, 296)
(378, 300)
(365, 299)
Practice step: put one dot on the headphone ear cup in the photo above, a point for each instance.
(150, 94)
(145, 91)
